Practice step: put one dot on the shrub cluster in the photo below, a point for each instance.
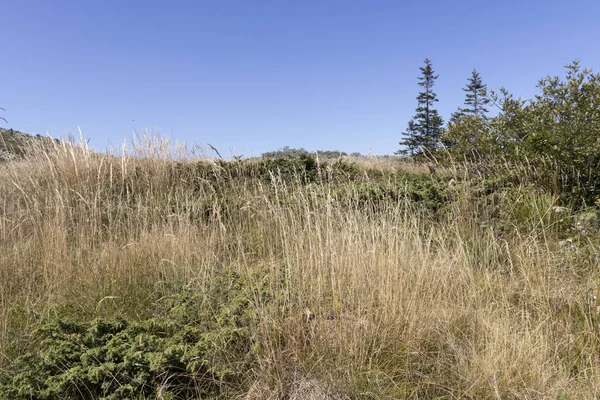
(554, 134)
(198, 344)
(291, 168)
(294, 153)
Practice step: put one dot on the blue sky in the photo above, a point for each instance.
(250, 76)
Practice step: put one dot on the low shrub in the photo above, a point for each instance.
(302, 168)
(429, 193)
(199, 343)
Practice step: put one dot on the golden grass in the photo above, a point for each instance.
(379, 305)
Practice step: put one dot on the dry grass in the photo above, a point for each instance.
(379, 305)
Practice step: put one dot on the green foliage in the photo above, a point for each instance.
(471, 138)
(469, 133)
(558, 133)
(285, 152)
(198, 344)
(304, 166)
(476, 98)
(427, 193)
(288, 152)
(555, 134)
(291, 168)
(425, 129)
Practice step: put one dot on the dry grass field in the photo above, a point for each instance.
(352, 295)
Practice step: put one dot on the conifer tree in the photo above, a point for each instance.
(467, 130)
(425, 128)
(476, 98)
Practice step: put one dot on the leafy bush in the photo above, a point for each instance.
(555, 134)
(302, 167)
(471, 139)
(288, 152)
(425, 192)
(199, 344)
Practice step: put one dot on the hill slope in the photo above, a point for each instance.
(288, 278)
(16, 144)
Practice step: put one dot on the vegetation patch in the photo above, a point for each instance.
(199, 343)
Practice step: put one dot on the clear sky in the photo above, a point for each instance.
(250, 76)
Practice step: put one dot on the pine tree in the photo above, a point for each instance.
(411, 141)
(476, 98)
(425, 128)
(466, 130)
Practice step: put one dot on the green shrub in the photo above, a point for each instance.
(198, 344)
(290, 169)
(288, 152)
(554, 134)
(429, 193)
(471, 138)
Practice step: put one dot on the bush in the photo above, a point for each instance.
(428, 193)
(471, 139)
(297, 168)
(555, 134)
(288, 152)
(200, 344)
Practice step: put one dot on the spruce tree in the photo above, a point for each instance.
(476, 98)
(425, 128)
(467, 129)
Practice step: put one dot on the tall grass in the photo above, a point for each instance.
(372, 304)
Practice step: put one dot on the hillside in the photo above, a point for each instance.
(288, 278)
(16, 144)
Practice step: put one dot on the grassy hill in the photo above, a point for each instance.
(16, 144)
(289, 278)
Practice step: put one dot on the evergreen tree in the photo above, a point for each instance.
(411, 140)
(425, 128)
(465, 132)
(476, 98)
